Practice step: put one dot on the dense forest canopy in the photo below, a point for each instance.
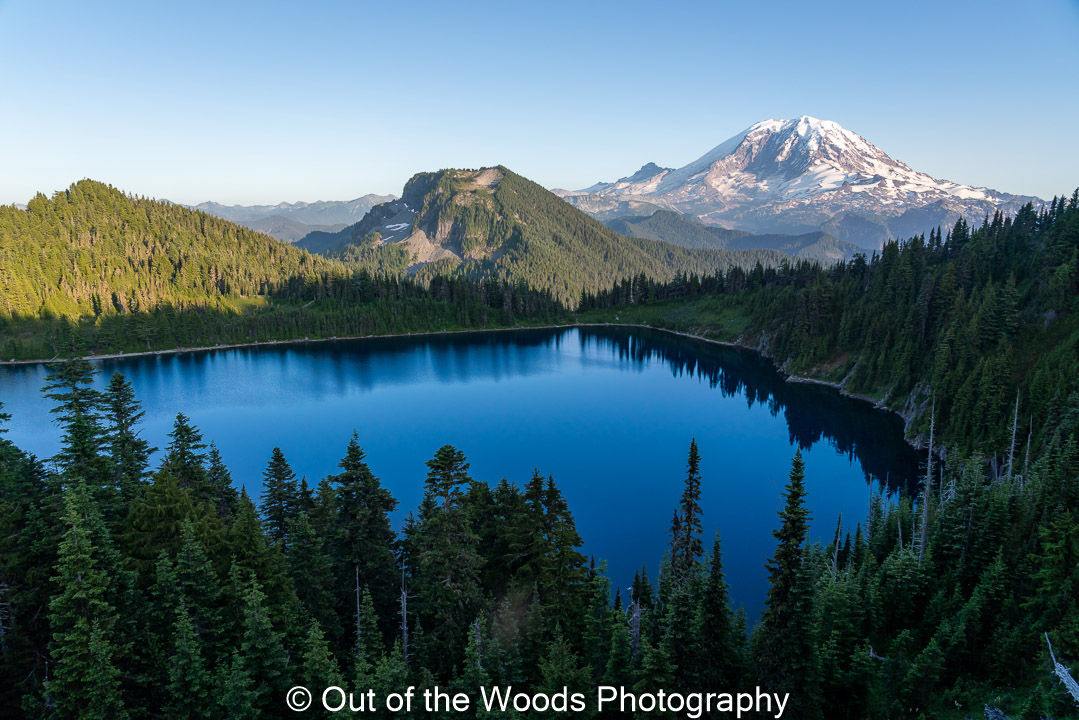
(92, 249)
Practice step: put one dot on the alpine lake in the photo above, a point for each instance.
(609, 412)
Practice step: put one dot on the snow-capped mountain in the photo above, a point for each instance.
(797, 176)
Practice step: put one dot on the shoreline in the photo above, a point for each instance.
(787, 377)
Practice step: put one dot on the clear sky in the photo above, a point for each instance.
(264, 101)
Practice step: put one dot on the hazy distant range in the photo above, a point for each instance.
(291, 221)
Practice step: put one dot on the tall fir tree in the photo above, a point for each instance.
(280, 498)
(784, 640)
(85, 678)
(686, 547)
(361, 535)
(129, 453)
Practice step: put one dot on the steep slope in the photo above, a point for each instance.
(291, 221)
(92, 249)
(679, 229)
(803, 175)
(494, 223)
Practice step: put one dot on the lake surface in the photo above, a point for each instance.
(608, 412)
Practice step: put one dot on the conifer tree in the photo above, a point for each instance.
(184, 459)
(78, 411)
(686, 546)
(129, 454)
(225, 499)
(362, 535)
(318, 667)
(311, 570)
(448, 562)
(190, 688)
(722, 646)
(783, 641)
(280, 497)
(85, 680)
(562, 668)
(262, 651)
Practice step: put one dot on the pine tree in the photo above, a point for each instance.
(448, 560)
(224, 497)
(362, 536)
(184, 458)
(235, 689)
(78, 412)
(190, 689)
(686, 547)
(129, 454)
(85, 681)
(722, 645)
(311, 570)
(262, 652)
(783, 641)
(280, 497)
(318, 667)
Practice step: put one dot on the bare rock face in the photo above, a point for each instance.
(798, 176)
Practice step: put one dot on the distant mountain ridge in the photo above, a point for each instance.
(681, 230)
(291, 221)
(492, 222)
(799, 176)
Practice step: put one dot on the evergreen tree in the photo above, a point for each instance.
(318, 667)
(129, 454)
(184, 459)
(686, 546)
(280, 497)
(190, 688)
(723, 646)
(85, 680)
(224, 497)
(262, 652)
(78, 411)
(783, 641)
(311, 569)
(448, 559)
(361, 536)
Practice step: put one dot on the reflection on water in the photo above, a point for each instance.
(813, 412)
(609, 412)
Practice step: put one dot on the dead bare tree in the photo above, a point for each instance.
(1063, 673)
(1015, 425)
(359, 633)
(479, 643)
(922, 536)
(835, 553)
(5, 617)
(404, 619)
(1026, 460)
(634, 611)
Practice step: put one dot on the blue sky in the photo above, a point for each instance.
(263, 102)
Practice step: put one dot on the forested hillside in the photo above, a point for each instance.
(114, 273)
(92, 249)
(964, 323)
(941, 602)
(495, 223)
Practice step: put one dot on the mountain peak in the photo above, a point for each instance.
(802, 174)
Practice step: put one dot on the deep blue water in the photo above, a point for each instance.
(609, 413)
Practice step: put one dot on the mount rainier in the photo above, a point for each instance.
(799, 176)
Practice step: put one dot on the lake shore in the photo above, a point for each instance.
(434, 333)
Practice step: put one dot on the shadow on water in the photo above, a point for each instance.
(813, 412)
